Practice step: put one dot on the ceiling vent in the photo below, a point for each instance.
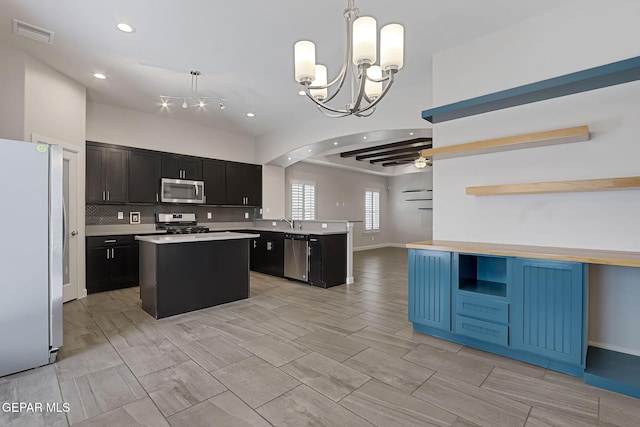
(32, 32)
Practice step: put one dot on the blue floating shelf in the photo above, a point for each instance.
(614, 371)
(612, 74)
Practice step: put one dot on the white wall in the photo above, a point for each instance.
(340, 196)
(273, 192)
(114, 125)
(582, 35)
(408, 223)
(55, 105)
(12, 90)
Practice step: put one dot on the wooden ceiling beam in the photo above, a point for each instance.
(398, 157)
(384, 146)
(413, 148)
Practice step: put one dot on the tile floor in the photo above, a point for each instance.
(293, 355)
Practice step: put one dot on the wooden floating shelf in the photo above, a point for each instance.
(582, 185)
(612, 74)
(516, 142)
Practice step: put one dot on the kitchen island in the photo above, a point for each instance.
(182, 273)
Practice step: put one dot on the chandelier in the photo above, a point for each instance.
(193, 100)
(369, 82)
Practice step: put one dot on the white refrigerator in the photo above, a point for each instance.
(31, 249)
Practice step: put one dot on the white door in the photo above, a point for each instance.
(70, 257)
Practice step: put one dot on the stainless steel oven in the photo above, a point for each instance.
(182, 191)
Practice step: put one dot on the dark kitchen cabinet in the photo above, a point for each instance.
(243, 184)
(215, 182)
(112, 263)
(267, 253)
(106, 174)
(145, 169)
(181, 167)
(327, 260)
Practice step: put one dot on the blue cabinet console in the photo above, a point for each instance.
(549, 305)
(430, 288)
(528, 309)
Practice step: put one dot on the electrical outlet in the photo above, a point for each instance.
(120, 215)
(208, 215)
(246, 215)
(324, 225)
(273, 223)
(373, 238)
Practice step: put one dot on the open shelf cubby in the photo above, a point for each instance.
(482, 274)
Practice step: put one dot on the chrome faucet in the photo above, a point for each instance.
(288, 221)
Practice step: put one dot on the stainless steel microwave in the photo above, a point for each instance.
(181, 191)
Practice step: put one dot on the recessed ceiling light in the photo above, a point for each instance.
(301, 93)
(99, 76)
(125, 28)
(364, 137)
(288, 158)
(309, 150)
(411, 133)
(201, 103)
(250, 115)
(335, 142)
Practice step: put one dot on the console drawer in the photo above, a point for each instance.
(484, 309)
(481, 330)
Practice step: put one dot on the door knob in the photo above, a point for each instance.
(74, 233)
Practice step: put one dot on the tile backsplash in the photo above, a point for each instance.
(108, 214)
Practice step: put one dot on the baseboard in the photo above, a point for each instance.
(82, 294)
(615, 348)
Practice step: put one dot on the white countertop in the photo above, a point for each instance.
(196, 237)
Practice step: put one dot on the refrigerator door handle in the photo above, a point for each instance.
(65, 226)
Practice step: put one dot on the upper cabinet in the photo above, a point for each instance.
(106, 180)
(131, 175)
(144, 176)
(181, 167)
(215, 182)
(244, 184)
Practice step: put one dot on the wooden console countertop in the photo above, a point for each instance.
(591, 256)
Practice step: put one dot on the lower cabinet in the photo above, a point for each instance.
(528, 309)
(267, 253)
(112, 263)
(327, 260)
(430, 288)
(549, 309)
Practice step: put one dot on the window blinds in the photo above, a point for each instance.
(371, 210)
(303, 201)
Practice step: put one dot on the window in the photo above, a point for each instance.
(372, 210)
(303, 200)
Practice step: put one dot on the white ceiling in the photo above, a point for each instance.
(244, 49)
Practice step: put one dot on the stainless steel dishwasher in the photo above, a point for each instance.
(296, 256)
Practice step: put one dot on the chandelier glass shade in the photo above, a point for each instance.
(194, 99)
(369, 82)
